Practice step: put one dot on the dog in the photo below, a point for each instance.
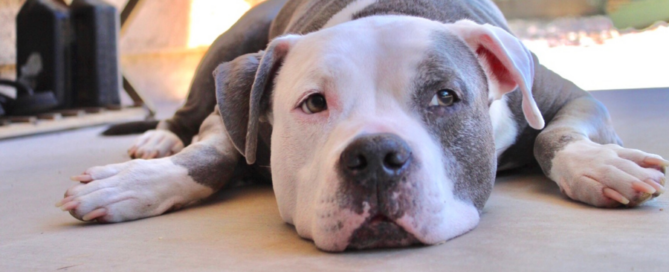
(380, 123)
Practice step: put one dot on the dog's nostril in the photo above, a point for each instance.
(375, 157)
(395, 160)
(356, 162)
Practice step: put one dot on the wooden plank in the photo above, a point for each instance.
(50, 116)
(94, 110)
(73, 112)
(66, 123)
(22, 119)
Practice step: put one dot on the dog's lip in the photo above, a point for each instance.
(379, 218)
(379, 231)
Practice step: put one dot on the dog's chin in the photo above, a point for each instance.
(380, 232)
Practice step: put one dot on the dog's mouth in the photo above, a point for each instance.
(379, 231)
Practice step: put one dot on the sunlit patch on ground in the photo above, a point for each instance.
(594, 55)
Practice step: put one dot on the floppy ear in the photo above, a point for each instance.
(243, 91)
(233, 88)
(507, 63)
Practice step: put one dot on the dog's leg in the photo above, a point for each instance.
(580, 151)
(143, 188)
(250, 34)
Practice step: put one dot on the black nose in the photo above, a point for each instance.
(375, 157)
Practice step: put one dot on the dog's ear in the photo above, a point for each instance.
(233, 88)
(243, 91)
(507, 63)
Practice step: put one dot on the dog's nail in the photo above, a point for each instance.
(94, 214)
(657, 186)
(656, 161)
(82, 178)
(63, 201)
(643, 187)
(610, 193)
(69, 206)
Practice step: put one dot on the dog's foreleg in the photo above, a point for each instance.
(143, 188)
(581, 152)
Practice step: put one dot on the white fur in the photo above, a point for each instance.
(365, 79)
(160, 142)
(347, 13)
(136, 189)
(504, 126)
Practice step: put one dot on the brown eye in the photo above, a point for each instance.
(314, 104)
(444, 97)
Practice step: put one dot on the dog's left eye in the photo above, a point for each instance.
(314, 104)
(444, 97)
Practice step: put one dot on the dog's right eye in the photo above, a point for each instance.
(314, 104)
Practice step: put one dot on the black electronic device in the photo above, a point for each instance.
(42, 57)
(95, 73)
(67, 57)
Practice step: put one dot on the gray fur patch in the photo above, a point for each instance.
(305, 16)
(207, 166)
(464, 129)
(445, 11)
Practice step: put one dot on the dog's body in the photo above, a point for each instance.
(383, 123)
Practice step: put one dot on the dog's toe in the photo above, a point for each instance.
(155, 144)
(97, 213)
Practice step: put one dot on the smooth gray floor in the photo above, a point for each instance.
(527, 224)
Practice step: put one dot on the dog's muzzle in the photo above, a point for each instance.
(374, 165)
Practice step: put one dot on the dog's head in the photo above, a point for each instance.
(381, 133)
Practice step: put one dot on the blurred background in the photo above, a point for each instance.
(598, 44)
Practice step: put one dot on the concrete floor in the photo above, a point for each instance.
(527, 225)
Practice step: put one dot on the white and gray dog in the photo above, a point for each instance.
(380, 123)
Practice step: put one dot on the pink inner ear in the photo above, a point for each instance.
(507, 63)
(497, 69)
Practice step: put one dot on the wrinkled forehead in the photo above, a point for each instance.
(376, 36)
(389, 53)
(374, 42)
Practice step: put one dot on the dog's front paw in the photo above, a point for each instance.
(131, 190)
(156, 143)
(608, 175)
